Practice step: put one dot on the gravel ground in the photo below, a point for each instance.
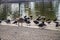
(26, 33)
(50, 26)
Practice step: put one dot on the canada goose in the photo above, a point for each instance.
(7, 21)
(42, 24)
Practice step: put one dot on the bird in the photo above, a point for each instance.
(38, 19)
(42, 24)
(36, 22)
(57, 24)
(0, 21)
(55, 19)
(48, 21)
(15, 22)
(31, 17)
(25, 16)
(27, 21)
(7, 21)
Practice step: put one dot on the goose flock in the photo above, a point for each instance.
(39, 21)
